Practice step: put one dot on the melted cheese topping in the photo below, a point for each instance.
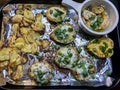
(55, 13)
(64, 33)
(66, 57)
(102, 47)
(42, 72)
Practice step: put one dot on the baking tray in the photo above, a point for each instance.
(115, 58)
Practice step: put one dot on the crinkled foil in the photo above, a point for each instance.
(59, 78)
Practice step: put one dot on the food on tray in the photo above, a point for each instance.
(32, 37)
(17, 75)
(15, 29)
(19, 43)
(83, 69)
(41, 72)
(3, 65)
(28, 14)
(66, 56)
(18, 11)
(4, 54)
(32, 40)
(10, 60)
(38, 26)
(24, 36)
(63, 34)
(21, 7)
(95, 17)
(45, 43)
(56, 14)
(17, 19)
(101, 47)
(15, 58)
(30, 48)
(25, 30)
(38, 17)
(1, 43)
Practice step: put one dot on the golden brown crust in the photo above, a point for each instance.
(55, 19)
(45, 43)
(3, 65)
(17, 19)
(17, 75)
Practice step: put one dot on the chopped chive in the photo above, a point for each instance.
(109, 50)
(102, 48)
(79, 49)
(51, 11)
(92, 17)
(96, 41)
(70, 29)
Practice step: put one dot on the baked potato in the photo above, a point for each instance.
(3, 65)
(33, 36)
(17, 19)
(30, 48)
(18, 73)
(101, 47)
(19, 11)
(66, 56)
(45, 43)
(38, 26)
(19, 43)
(64, 34)
(83, 69)
(4, 54)
(15, 29)
(38, 17)
(41, 72)
(56, 13)
(15, 58)
(28, 14)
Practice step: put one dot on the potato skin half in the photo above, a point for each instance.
(101, 47)
(53, 19)
(71, 34)
(46, 66)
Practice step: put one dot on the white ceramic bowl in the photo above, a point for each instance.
(109, 8)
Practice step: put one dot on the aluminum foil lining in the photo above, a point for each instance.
(59, 78)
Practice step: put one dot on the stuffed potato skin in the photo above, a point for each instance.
(41, 72)
(64, 34)
(56, 14)
(101, 47)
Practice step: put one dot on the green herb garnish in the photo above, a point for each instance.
(43, 13)
(96, 41)
(51, 11)
(61, 34)
(92, 17)
(97, 23)
(79, 49)
(85, 72)
(102, 48)
(70, 29)
(109, 50)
